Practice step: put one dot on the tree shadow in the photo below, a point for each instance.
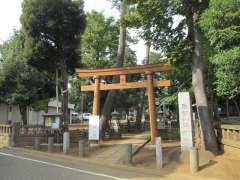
(210, 163)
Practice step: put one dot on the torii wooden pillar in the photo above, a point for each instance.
(151, 106)
(149, 84)
(96, 99)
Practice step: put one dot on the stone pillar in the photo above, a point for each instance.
(151, 106)
(50, 144)
(185, 121)
(128, 153)
(81, 144)
(194, 160)
(37, 143)
(66, 142)
(96, 97)
(227, 134)
(223, 134)
(159, 156)
(12, 138)
(235, 135)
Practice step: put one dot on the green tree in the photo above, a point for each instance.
(75, 96)
(99, 41)
(21, 84)
(175, 30)
(109, 102)
(53, 30)
(221, 24)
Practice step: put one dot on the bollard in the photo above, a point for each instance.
(66, 142)
(12, 139)
(159, 156)
(37, 143)
(194, 160)
(128, 149)
(81, 144)
(50, 144)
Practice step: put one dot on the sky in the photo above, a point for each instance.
(10, 12)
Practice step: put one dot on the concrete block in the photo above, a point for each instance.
(66, 142)
(37, 143)
(50, 144)
(194, 160)
(159, 155)
(81, 144)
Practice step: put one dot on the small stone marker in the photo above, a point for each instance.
(159, 156)
(128, 153)
(50, 144)
(186, 120)
(12, 140)
(194, 160)
(81, 148)
(66, 142)
(37, 143)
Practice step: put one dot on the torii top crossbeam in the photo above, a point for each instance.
(125, 70)
(144, 69)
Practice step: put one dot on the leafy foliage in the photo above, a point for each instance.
(20, 83)
(221, 22)
(52, 30)
(100, 41)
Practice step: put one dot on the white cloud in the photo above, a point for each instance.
(101, 6)
(10, 12)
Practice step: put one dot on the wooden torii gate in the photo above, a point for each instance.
(149, 84)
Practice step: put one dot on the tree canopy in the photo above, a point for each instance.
(220, 23)
(99, 41)
(20, 83)
(53, 30)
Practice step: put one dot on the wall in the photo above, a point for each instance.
(5, 135)
(16, 115)
(3, 113)
(12, 113)
(4, 140)
(35, 117)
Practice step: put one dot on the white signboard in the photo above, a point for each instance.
(186, 121)
(56, 123)
(93, 131)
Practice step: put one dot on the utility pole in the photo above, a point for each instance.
(57, 90)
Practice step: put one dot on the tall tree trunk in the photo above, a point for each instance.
(140, 108)
(227, 107)
(211, 108)
(64, 74)
(141, 103)
(215, 108)
(109, 102)
(237, 107)
(23, 111)
(209, 137)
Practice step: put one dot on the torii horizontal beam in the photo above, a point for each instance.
(121, 71)
(126, 85)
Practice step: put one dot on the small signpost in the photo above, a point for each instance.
(186, 120)
(94, 124)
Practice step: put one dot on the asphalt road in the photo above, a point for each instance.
(17, 165)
